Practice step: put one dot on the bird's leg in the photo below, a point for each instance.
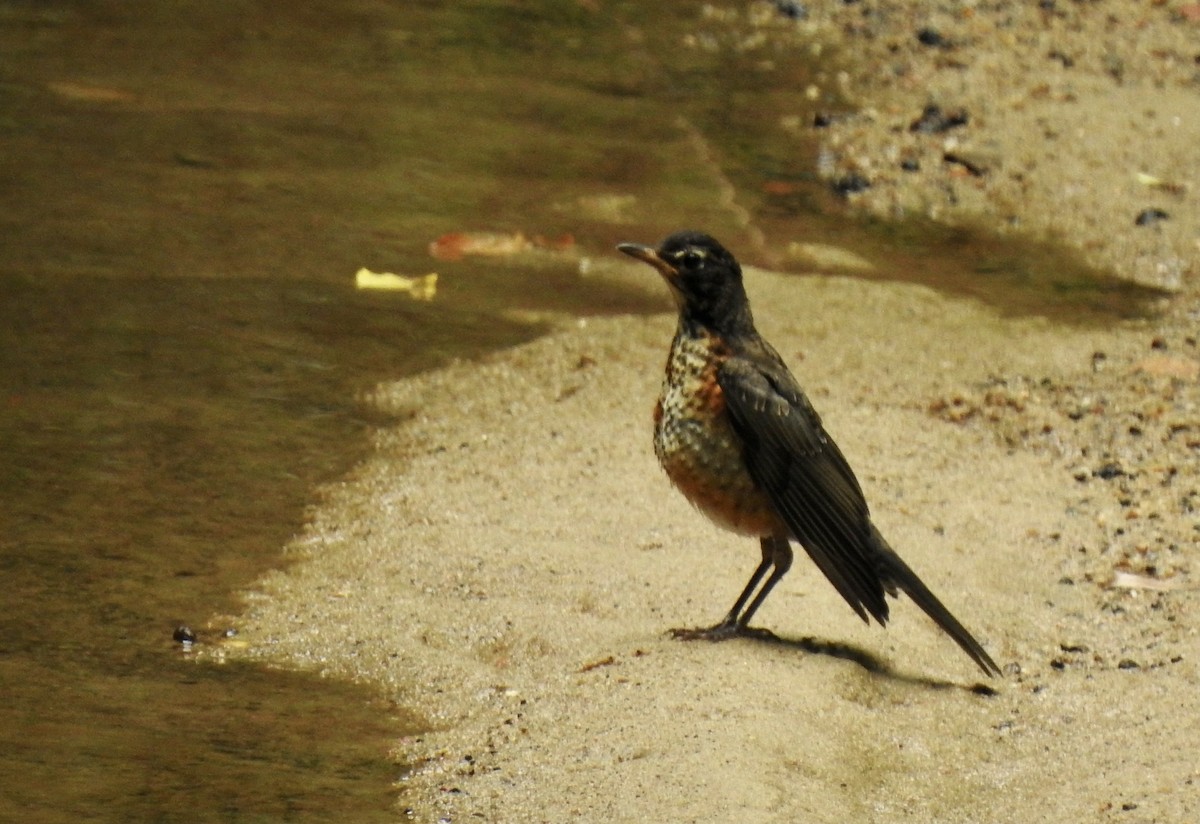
(781, 558)
(731, 624)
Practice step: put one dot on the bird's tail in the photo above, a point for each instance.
(896, 575)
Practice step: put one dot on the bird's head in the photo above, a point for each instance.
(705, 279)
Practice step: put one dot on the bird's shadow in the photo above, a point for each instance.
(861, 657)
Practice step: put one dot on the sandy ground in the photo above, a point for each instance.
(511, 557)
(1078, 120)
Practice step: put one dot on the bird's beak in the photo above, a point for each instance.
(648, 255)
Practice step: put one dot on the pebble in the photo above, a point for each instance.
(934, 120)
(1149, 217)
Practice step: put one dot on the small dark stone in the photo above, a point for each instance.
(1158, 343)
(1149, 217)
(1128, 664)
(1058, 664)
(850, 184)
(1109, 471)
(973, 168)
(934, 121)
(184, 635)
(791, 9)
(933, 38)
(822, 120)
(1066, 60)
(1073, 647)
(910, 164)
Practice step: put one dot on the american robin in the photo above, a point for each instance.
(737, 436)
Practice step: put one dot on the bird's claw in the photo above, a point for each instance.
(722, 632)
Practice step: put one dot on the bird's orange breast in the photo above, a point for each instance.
(696, 444)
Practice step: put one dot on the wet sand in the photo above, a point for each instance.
(510, 558)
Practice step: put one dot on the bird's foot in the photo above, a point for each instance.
(722, 632)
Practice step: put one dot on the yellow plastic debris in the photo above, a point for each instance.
(421, 287)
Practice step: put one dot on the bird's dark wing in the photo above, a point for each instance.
(813, 489)
(811, 485)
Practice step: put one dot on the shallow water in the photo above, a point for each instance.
(188, 188)
(160, 439)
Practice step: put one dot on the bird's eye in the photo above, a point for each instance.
(691, 259)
